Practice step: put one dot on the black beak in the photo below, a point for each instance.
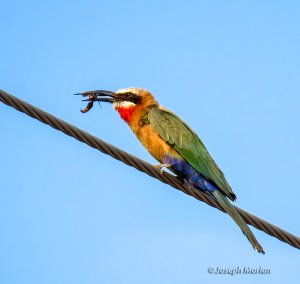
(99, 96)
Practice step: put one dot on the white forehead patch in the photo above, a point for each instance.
(123, 105)
(123, 91)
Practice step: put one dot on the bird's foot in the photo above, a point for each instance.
(161, 166)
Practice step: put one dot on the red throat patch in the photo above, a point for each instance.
(125, 113)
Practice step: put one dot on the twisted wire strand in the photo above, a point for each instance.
(141, 165)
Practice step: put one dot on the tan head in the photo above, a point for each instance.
(134, 97)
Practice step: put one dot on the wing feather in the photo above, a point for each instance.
(186, 142)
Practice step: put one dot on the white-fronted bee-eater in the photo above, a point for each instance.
(174, 144)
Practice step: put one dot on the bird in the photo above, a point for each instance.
(174, 145)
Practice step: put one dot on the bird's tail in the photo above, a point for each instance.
(230, 209)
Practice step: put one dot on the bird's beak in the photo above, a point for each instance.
(99, 95)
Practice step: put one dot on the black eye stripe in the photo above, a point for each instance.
(131, 97)
(129, 94)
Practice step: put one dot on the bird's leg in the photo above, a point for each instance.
(161, 166)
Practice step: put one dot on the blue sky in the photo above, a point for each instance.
(70, 214)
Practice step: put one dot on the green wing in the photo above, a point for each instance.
(186, 142)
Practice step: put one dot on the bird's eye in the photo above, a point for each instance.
(127, 95)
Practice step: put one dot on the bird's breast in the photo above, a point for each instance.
(155, 145)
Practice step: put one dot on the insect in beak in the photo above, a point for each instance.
(91, 101)
(99, 96)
